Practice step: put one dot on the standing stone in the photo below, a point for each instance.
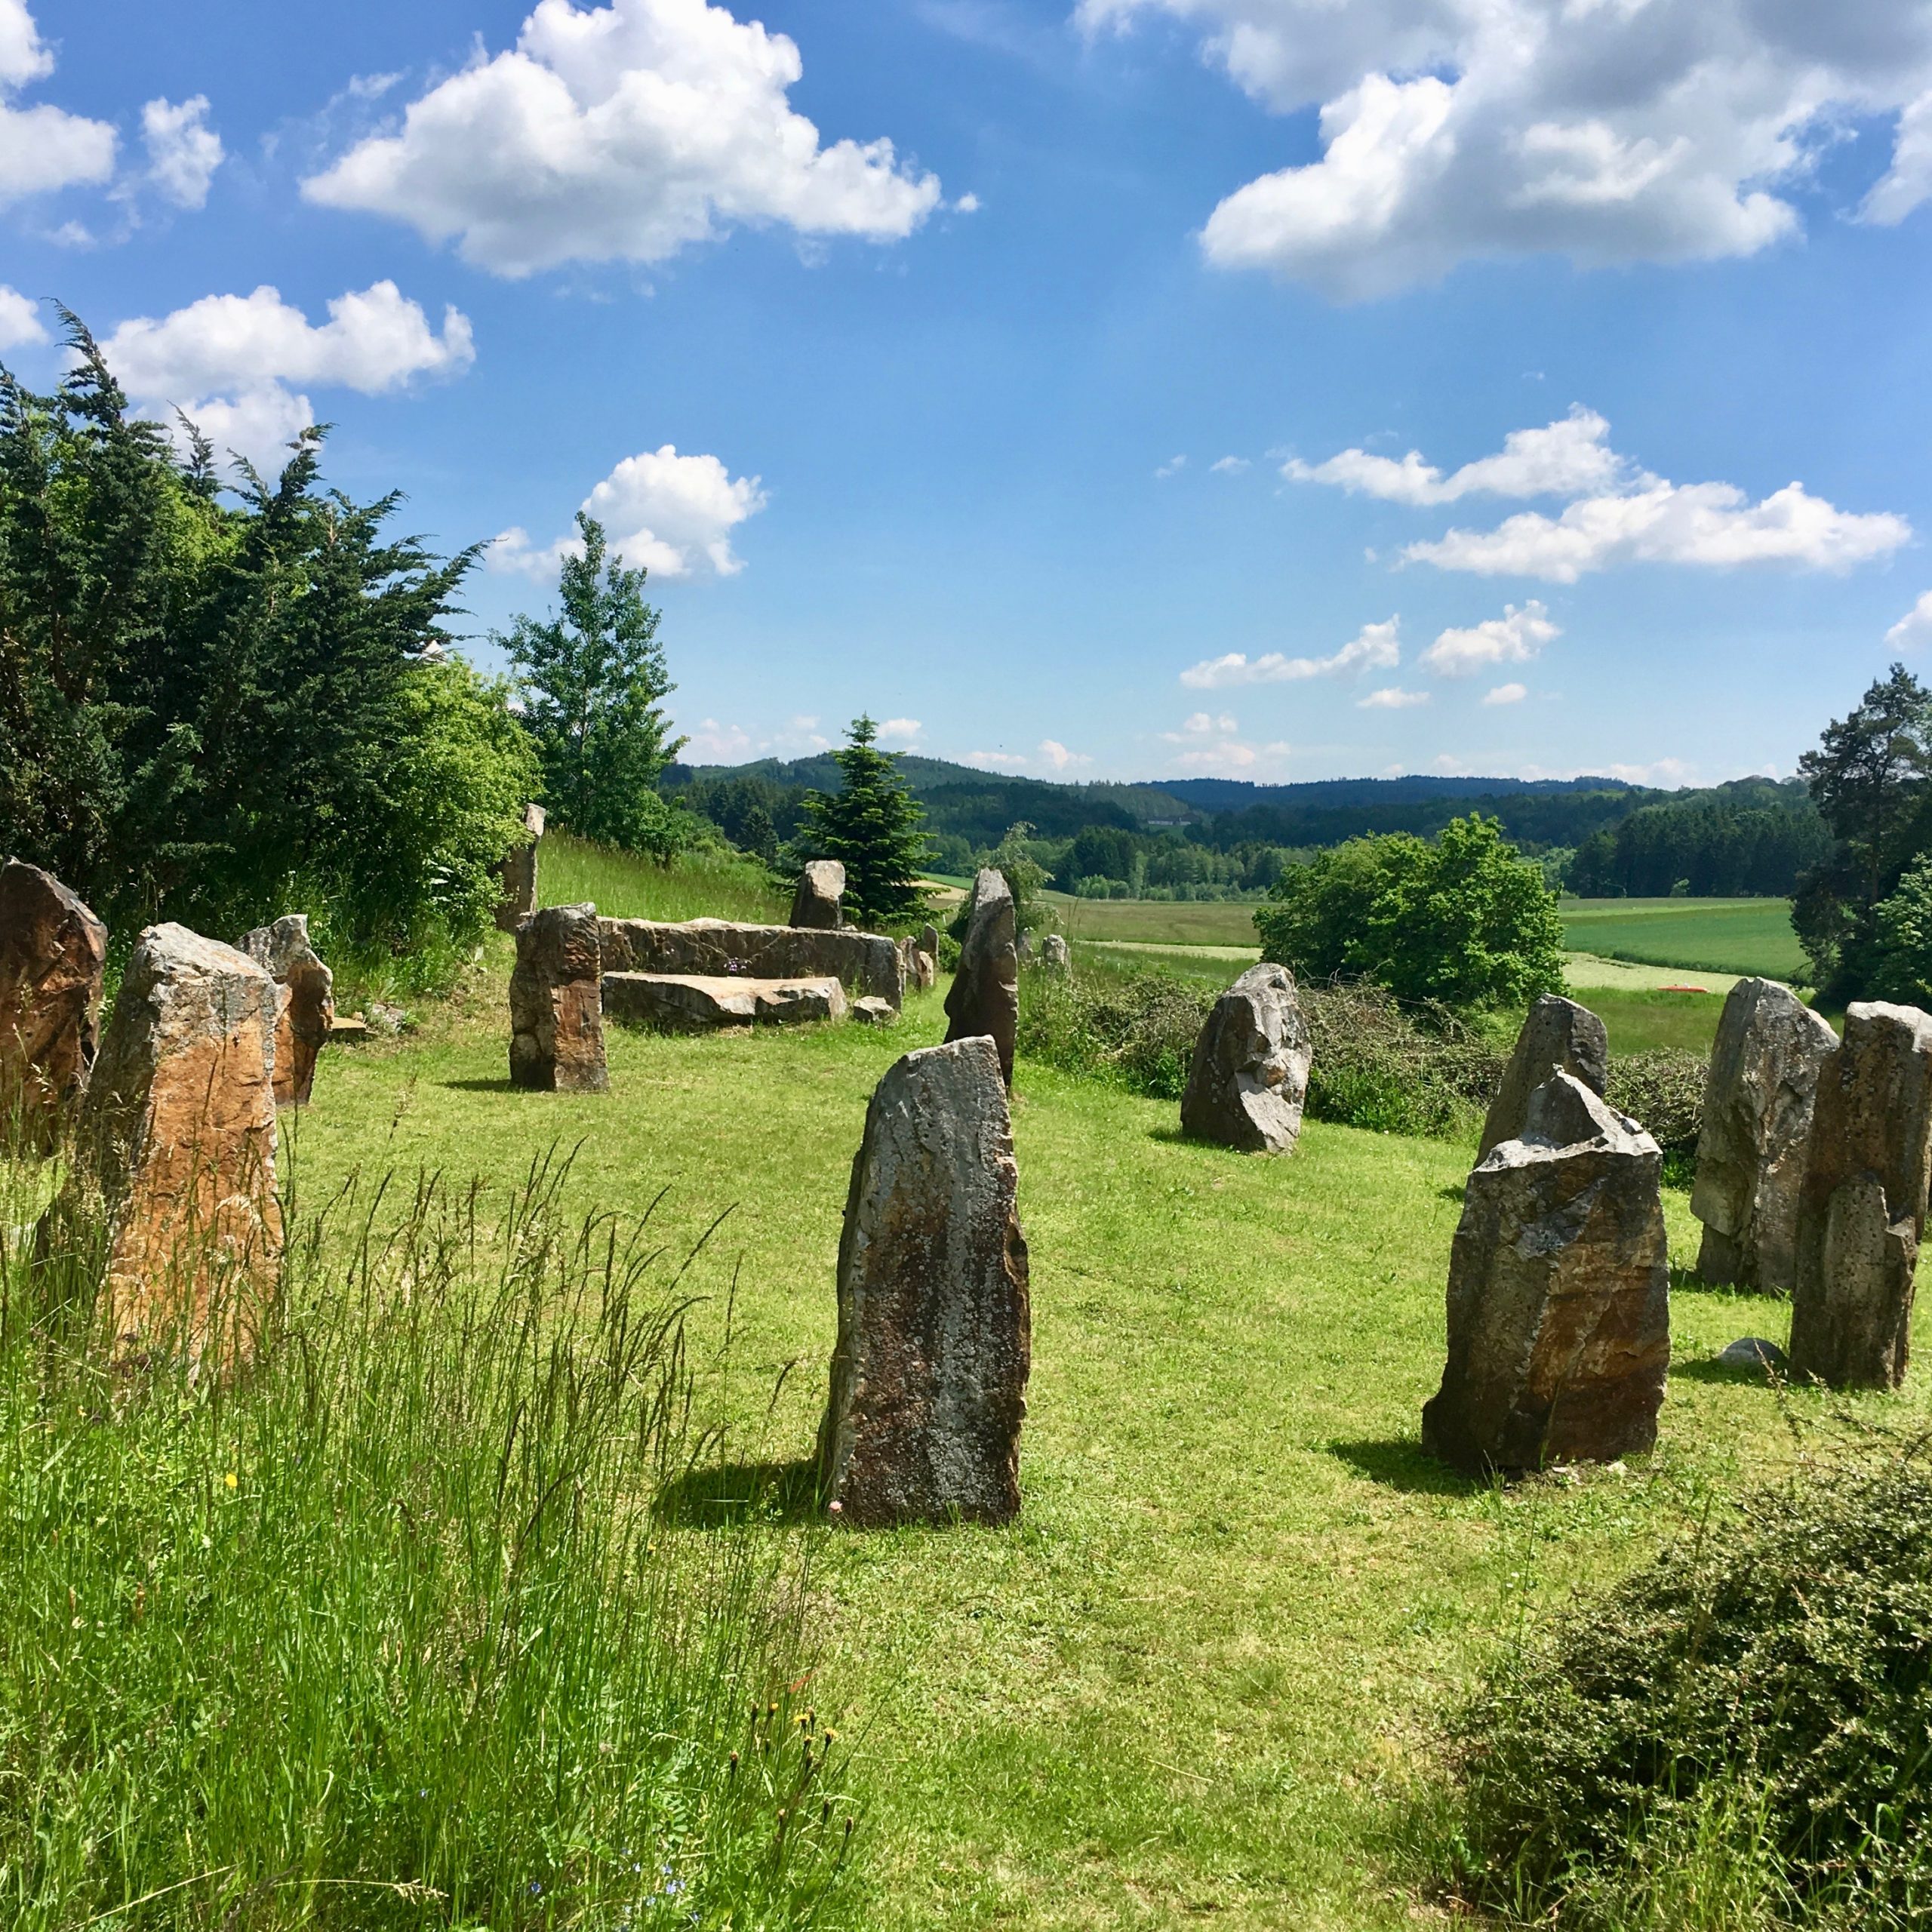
(935, 1326)
(517, 873)
(53, 951)
(821, 886)
(556, 1003)
(929, 940)
(1023, 949)
(1557, 1033)
(308, 1003)
(176, 1147)
(923, 975)
(1055, 954)
(1559, 1295)
(1862, 1212)
(1758, 1098)
(1249, 1076)
(984, 994)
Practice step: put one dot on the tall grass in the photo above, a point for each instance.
(624, 885)
(386, 1630)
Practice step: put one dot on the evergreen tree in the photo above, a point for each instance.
(871, 826)
(593, 681)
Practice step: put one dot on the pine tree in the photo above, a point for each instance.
(871, 826)
(593, 681)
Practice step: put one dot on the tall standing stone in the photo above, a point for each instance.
(1862, 1212)
(816, 902)
(984, 995)
(517, 873)
(557, 1003)
(929, 940)
(1559, 1294)
(1249, 1076)
(1557, 1033)
(1758, 1099)
(176, 1152)
(53, 953)
(308, 1003)
(1055, 954)
(935, 1326)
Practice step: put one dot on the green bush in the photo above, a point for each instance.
(1752, 1709)
(1663, 1091)
(1138, 1029)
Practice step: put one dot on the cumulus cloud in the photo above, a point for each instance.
(1506, 694)
(229, 361)
(1050, 752)
(898, 734)
(1617, 512)
(41, 147)
(1914, 628)
(622, 133)
(1210, 742)
(1515, 638)
(19, 319)
(184, 151)
(1375, 647)
(671, 515)
(1228, 466)
(1606, 130)
(1392, 697)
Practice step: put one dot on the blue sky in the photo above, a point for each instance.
(1073, 431)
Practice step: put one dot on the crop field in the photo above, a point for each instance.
(1204, 1674)
(1170, 922)
(1732, 935)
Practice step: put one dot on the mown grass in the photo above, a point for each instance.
(1739, 936)
(1173, 922)
(1204, 1674)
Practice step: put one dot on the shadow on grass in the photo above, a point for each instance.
(1402, 1465)
(739, 1492)
(500, 1086)
(1709, 1370)
(1458, 1194)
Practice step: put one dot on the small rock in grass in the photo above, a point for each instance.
(872, 1011)
(1752, 1352)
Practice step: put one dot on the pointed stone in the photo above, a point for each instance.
(815, 903)
(1559, 1295)
(984, 999)
(1557, 1033)
(308, 1003)
(556, 1003)
(1862, 1212)
(935, 1335)
(1758, 1099)
(1249, 1077)
(53, 953)
(517, 873)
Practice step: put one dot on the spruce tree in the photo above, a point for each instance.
(871, 826)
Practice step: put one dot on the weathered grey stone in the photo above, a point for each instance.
(1557, 1033)
(1559, 1297)
(935, 1332)
(815, 904)
(870, 1012)
(984, 998)
(53, 953)
(308, 1003)
(516, 872)
(688, 1004)
(176, 1150)
(557, 1004)
(1249, 1077)
(1055, 954)
(1751, 1351)
(929, 940)
(1758, 1098)
(716, 948)
(1861, 1212)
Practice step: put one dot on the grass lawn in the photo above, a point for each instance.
(1733, 936)
(1172, 922)
(1202, 1675)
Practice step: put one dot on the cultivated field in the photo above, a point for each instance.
(1732, 936)
(1202, 1675)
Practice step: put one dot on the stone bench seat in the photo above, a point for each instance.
(692, 1003)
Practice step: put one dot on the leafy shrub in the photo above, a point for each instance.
(1758, 1698)
(1663, 1090)
(1138, 1029)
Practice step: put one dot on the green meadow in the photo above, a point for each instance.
(1737, 936)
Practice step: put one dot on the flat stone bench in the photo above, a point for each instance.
(693, 1003)
(862, 963)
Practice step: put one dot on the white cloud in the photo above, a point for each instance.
(41, 148)
(997, 760)
(1392, 697)
(898, 734)
(19, 319)
(622, 133)
(1569, 458)
(1210, 742)
(1050, 752)
(1515, 638)
(967, 204)
(714, 743)
(1914, 628)
(1373, 648)
(671, 515)
(1228, 466)
(1172, 467)
(257, 423)
(1506, 694)
(183, 152)
(1057, 755)
(1606, 130)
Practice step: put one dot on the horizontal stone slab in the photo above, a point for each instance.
(691, 1003)
(862, 963)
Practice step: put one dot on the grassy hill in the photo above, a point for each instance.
(1734, 936)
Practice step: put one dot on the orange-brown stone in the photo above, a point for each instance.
(308, 1003)
(53, 951)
